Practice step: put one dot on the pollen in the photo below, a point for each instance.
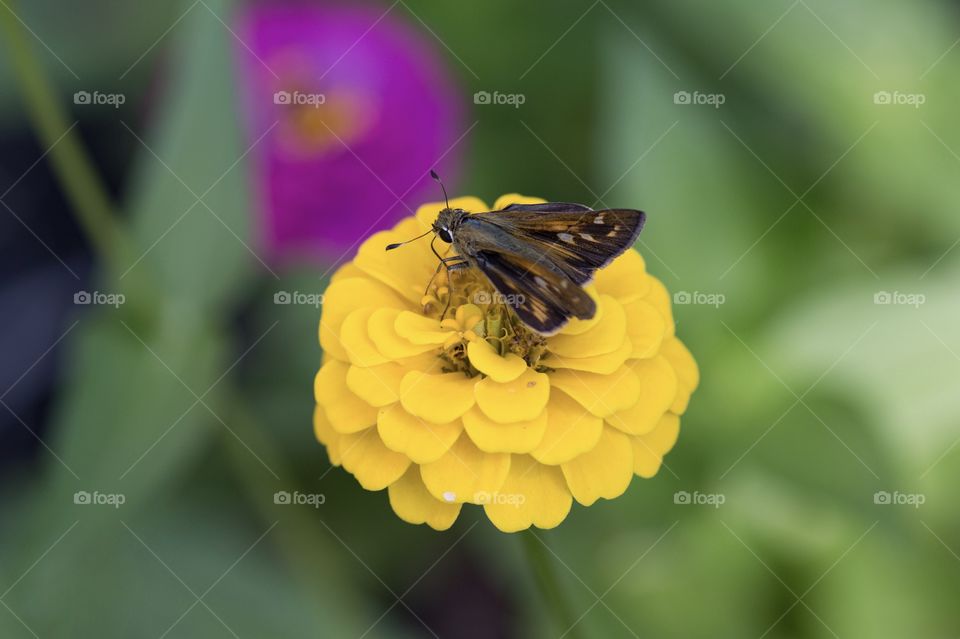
(471, 309)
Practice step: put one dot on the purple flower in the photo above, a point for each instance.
(354, 109)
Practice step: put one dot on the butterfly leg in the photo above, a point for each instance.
(444, 261)
(440, 265)
(462, 264)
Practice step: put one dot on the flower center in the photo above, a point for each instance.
(316, 119)
(465, 302)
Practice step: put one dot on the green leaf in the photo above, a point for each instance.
(131, 419)
(128, 574)
(893, 346)
(201, 251)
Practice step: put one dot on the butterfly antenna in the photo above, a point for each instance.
(446, 201)
(390, 247)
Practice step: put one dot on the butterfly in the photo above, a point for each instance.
(538, 257)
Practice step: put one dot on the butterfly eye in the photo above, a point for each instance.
(445, 235)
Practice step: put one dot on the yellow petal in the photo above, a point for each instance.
(486, 360)
(682, 362)
(405, 270)
(602, 395)
(605, 471)
(571, 430)
(413, 504)
(465, 473)
(467, 316)
(658, 388)
(533, 494)
(347, 412)
(388, 342)
(420, 329)
(355, 339)
(374, 465)
(625, 278)
(347, 270)
(419, 440)
(603, 364)
(579, 326)
(688, 375)
(659, 298)
(645, 327)
(522, 399)
(345, 296)
(648, 450)
(515, 198)
(377, 385)
(326, 435)
(427, 214)
(425, 363)
(605, 336)
(437, 398)
(491, 437)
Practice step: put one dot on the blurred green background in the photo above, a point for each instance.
(810, 224)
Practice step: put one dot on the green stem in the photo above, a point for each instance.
(545, 576)
(71, 164)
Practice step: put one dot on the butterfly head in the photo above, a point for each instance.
(447, 222)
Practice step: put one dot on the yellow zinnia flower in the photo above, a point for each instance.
(477, 409)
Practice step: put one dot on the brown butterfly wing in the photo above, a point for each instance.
(543, 298)
(573, 237)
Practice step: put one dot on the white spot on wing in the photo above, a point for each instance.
(540, 281)
(587, 237)
(565, 237)
(598, 219)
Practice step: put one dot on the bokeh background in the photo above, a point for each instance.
(798, 160)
